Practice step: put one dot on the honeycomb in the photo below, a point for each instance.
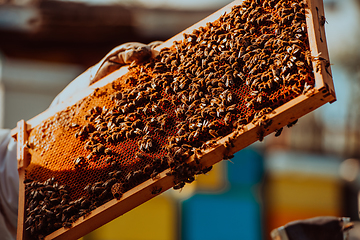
(214, 81)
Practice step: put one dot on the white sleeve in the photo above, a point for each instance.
(9, 186)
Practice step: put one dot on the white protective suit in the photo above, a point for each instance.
(9, 186)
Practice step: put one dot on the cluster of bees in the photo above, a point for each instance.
(217, 79)
(49, 207)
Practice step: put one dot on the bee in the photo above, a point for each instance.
(250, 103)
(262, 18)
(229, 144)
(67, 224)
(137, 174)
(206, 170)
(85, 203)
(148, 169)
(189, 179)
(322, 20)
(80, 162)
(148, 145)
(97, 188)
(318, 63)
(292, 123)
(104, 194)
(307, 87)
(179, 185)
(108, 151)
(228, 119)
(260, 134)
(130, 134)
(99, 149)
(156, 190)
(246, 56)
(278, 132)
(74, 125)
(154, 175)
(228, 157)
(220, 111)
(118, 174)
(31, 229)
(108, 184)
(296, 89)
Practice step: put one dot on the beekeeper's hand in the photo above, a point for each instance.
(118, 57)
(122, 55)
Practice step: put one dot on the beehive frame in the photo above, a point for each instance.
(322, 93)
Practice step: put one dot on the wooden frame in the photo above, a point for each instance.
(322, 93)
(23, 162)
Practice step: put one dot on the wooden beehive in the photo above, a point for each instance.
(48, 151)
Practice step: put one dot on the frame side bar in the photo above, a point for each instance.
(315, 20)
(23, 162)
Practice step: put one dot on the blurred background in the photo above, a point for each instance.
(311, 170)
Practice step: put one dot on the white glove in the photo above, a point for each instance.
(118, 57)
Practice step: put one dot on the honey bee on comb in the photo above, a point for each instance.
(218, 78)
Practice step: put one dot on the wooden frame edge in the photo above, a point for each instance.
(23, 162)
(318, 45)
